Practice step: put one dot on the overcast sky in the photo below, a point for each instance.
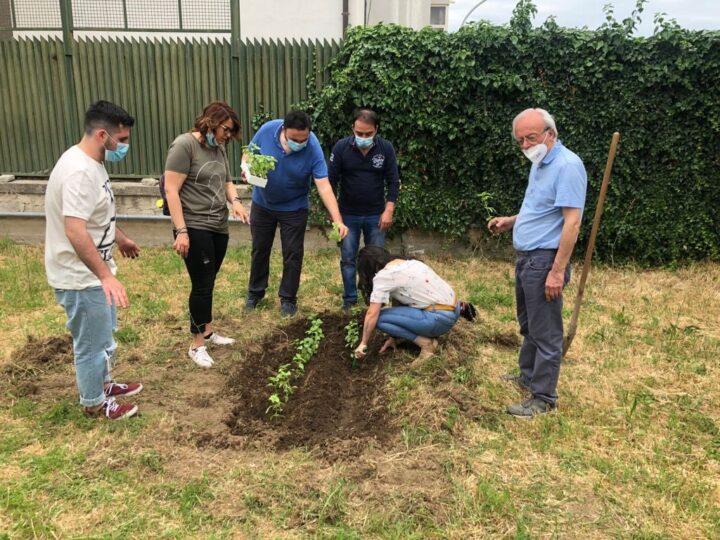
(692, 14)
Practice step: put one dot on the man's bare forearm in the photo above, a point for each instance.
(85, 248)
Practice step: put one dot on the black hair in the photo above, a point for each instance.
(366, 115)
(297, 120)
(372, 259)
(108, 116)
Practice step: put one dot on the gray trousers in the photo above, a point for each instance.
(541, 323)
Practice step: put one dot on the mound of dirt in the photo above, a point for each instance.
(336, 409)
(36, 357)
(45, 352)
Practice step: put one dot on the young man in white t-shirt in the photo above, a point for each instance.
(79, 237)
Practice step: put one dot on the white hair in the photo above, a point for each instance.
(548, 120)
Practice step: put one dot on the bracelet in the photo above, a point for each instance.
(178, 233)
(238, 199)
(181, 230)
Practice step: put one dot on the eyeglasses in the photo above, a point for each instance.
(533, 138)
(227, 129)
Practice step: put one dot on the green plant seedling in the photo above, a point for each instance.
(260, 165)
(335, 233)
(352, 336)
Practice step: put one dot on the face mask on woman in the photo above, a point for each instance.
(210, 138)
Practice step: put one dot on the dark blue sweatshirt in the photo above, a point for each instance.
(362, 179)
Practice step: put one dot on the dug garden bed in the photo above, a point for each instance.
(337, 408)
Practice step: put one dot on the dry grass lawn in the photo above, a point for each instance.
(633, 450)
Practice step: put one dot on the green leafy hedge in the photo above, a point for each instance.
(447, 100)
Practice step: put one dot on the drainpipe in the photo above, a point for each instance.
(345, 16)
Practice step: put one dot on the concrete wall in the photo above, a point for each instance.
(22, 207)
(412, 13)
(292, 19)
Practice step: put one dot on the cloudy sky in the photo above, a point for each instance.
(692, 14)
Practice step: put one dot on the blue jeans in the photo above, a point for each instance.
(91, 322)
(408, 322)
(541, 324)
(368, 226)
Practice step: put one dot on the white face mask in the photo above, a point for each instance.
(537, 153)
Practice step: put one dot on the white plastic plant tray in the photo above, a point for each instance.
(256, 180)
(252, 179)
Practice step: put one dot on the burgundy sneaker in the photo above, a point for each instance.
(120, 389)
(113, 410)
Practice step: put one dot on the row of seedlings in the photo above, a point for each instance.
(281, 383)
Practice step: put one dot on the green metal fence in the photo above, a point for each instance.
(164, 84)
(47, 83)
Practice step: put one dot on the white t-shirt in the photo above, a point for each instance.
(78, 187)
(412, 283)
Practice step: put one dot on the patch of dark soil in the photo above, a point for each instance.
(336, 409)
(466, 403)
(507, 340)
(39, 355)
(35, 359)
(43, 352)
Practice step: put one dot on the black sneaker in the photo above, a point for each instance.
(251, 302)
(517, 380)
(529, 408)
(288, 309)
(348, 307)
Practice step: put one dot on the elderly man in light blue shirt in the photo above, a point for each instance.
(544, 235)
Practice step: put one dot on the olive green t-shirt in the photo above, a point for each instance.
(202, 194)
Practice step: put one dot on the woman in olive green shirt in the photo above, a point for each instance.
(198, 188)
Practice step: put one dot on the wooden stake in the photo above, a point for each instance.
(572, 327)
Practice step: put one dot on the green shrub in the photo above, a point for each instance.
(446, 101)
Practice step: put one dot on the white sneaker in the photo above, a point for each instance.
(201, 357)
(217, 339)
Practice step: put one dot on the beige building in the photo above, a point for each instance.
(327, 19)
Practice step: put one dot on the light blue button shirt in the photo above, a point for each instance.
(558, 182)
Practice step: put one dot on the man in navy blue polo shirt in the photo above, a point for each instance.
(362, 167)
(284, 202)
(544, 235)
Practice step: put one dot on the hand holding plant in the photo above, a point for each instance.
(335, 233)
(361, 351)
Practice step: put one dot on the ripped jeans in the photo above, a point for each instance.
(203, 262)
(91, 322)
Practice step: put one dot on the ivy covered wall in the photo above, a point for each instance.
(447, 100)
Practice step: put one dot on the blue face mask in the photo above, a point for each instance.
(210, 138)
(296, 146)
(119, 153)
(364, 142)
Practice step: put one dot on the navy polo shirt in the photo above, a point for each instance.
(288, 186)
(362, 179)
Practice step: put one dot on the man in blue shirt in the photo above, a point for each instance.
(362, 166)
(544, 235)
(284, 202)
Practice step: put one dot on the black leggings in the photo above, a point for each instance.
(203, 261)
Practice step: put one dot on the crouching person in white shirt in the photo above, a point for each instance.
(428, 305)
